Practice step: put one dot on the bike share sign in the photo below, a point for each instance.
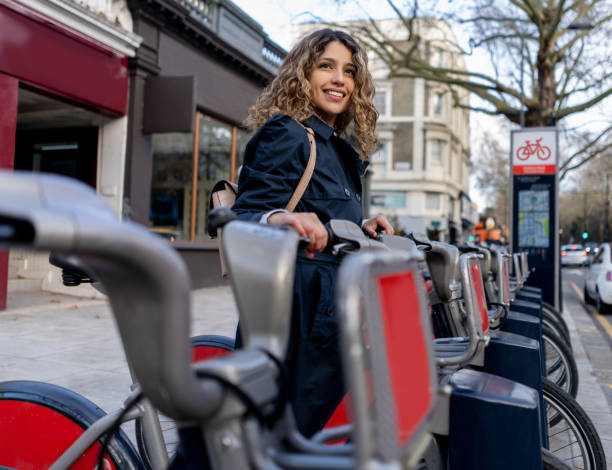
(535, 225)
(534, 151)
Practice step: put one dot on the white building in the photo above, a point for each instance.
(420, 175)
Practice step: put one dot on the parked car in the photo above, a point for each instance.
(573, 255)
(598, 283)
(591, 248)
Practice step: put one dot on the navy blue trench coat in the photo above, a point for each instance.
(274, 161)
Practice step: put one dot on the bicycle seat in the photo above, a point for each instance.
(261, 262)
(443, 262)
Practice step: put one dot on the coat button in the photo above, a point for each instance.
(347, 192)
(358, 197)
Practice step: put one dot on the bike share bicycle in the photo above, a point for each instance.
(68, 414)
(571, 434)
(235, 420)
(155, 434)
(230, 404)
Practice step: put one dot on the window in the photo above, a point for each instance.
(179, 164)
(437, 147)
(381, 156)
(388, 199)
(438, 104)
(172, 185)
(380, 102)
(436, 57)
(432, 201)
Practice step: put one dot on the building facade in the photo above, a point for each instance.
(64, 86)
(420, 174)
(140, 99)
(200, 66)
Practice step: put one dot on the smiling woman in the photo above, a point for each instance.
(332, 82)
(324, 85)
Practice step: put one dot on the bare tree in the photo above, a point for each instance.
(549, 58)
(491, 170)
(584, 202)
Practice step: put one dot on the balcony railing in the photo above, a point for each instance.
(234, 26)
(201, 10)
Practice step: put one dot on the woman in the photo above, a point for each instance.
(323, 83)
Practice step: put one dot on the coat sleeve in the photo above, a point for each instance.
(274, 161)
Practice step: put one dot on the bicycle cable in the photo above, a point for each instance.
(108, 435)
(271, 418)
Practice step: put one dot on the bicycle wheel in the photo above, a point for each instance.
(550, 462)
(39, 421)
(543, 153)
(560, 363)
(432, 458)
(556, 314)
(202, 347)
(552, 322)
(571, 434)
(523, 153)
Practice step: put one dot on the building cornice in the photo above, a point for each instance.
(178, 20)
(85, 23)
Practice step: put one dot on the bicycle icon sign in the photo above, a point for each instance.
(542, 152)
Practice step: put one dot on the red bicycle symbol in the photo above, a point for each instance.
(527, 150)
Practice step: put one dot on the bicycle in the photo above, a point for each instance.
(591, 452)
(542, 152)
(235, 400)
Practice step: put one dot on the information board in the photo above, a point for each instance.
(534, 219)
(534, 223)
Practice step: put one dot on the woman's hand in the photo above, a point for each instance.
(379, 222)
(307, 225)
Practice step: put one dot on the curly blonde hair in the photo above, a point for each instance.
(290, 91)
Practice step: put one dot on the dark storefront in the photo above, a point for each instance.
(191, 83)
(63, 80)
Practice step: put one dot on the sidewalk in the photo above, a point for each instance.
(73, 343)
(593, 357)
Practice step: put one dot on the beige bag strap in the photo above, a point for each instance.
(308, 171)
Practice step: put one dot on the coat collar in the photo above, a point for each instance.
(325, 131)
(321, 128)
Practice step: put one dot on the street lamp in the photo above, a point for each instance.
(606, 234)
(607, 223)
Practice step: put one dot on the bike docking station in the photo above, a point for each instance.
(485, 412)
(534, 224)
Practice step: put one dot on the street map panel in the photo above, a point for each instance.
(534, 224)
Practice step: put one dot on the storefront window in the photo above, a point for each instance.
(214, 163)
(172, 185)
(242, 139)
(177, 167)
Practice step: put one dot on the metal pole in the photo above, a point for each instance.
(607, 224)
(585, 213)
(522, 113)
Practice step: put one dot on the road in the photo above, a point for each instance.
(574, 279)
